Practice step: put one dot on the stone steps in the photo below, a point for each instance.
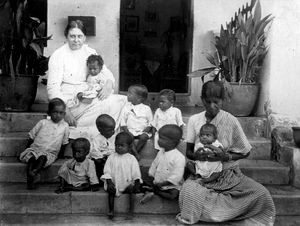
(263, 171)
(12, 144)
(82, 219)
(14, 198)
(254, 127)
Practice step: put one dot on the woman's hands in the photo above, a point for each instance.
(106, 90)
(69, 118)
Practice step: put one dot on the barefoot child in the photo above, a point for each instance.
(79, 173)
(137, 116)
(103, 145)
(121, 172)
(168, 167)
(166, 113)
(208, 171)
(46, 140)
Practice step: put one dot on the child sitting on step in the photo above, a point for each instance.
(78, 173)
(167, 169)
(137, 116)
(46, 139)
(121, 172)
(103, 145)
(166, 113)
(206, 170)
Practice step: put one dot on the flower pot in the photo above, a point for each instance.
(243, 99)
(296, 135)
(17, 94)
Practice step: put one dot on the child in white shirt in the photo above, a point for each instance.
(46, 139)
(121, 172)
(208, 171)
(166, 113)
(103, 145)
(168, 167)
(137, 116)
(78, 173)
(96, 80)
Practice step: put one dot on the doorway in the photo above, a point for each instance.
(155, 44)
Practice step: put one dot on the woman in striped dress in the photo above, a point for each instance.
(232, 196)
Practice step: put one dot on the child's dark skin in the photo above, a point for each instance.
(168, 144)
(79, 154)
(142, 139)
(34, 165)
(121, 148)
(106, 130)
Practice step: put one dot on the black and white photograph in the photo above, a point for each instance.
(149, 112)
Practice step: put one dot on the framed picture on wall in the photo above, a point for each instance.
(131, 24)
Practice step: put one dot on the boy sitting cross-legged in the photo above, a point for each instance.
(168, 167)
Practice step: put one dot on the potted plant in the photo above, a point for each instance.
(238, 59)
(21, 55)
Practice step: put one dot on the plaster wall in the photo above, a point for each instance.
(106, 41)
(280, 83)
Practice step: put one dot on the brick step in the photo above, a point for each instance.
(16, 199)
(12, 144)
(263, 171)
(24, 121)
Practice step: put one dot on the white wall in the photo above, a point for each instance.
(281, 83)
(106, 41)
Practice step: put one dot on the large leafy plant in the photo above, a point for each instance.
(240, 47)
(22, 39)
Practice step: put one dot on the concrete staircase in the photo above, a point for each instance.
(15, 199)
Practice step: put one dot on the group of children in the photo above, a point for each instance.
(110, 159)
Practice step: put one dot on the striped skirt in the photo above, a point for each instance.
(235, 199)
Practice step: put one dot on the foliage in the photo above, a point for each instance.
(21, 40)
(240, 48)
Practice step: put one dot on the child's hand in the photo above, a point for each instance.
(95, 187)
(136, 187)
(80, 96)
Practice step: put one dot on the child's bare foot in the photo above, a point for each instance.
(110, 215)
(30, 183)
(147, 197)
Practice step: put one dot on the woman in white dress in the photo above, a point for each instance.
(67, 77)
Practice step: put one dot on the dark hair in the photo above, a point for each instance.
(105, 120)
(170, 94)
(213, 89)
(210, 127)
(140, 90)
(128, 137)
(55, 102)
(95, 58)
(75, 24)
(82, 142)
(171, 131)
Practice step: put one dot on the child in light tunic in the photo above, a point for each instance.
(95, 79)
(46, 140)
(78, 173)
(168, 167)
(121, 172)
(208, 171)
(137, 116)
(166, 113)
(103, 145)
